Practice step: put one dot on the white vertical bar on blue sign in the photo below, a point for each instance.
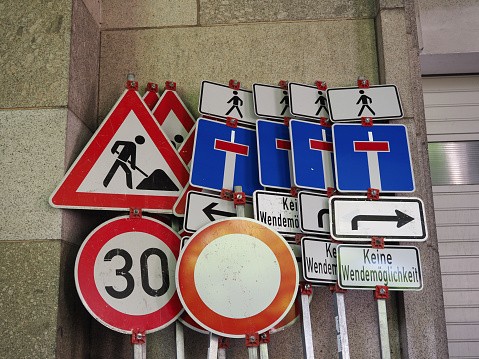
(210, 168)
(312, 148)
(274, 152)
(372, 157)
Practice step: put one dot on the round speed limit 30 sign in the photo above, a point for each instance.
(237, 276)
(125, 274)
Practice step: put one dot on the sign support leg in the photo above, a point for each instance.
(341, 327)
(213, 348)
(383, 329)
(180, 341)
(263, 351)
(252, 352)
(139, 351)
(308, 349)
(222, 353)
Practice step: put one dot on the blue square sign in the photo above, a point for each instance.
(312, 149)
(224, 157)
(274, 148)
(372, 157)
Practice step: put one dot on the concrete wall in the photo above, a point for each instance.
(61, 82)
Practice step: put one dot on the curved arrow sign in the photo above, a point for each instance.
(394, 218)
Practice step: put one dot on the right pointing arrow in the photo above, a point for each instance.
(209, 211)
(400, 217)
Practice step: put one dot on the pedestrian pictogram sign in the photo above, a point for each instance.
(221, 101)
(225, 157)
(174, 118)
(393, 218)
(364, 267)
(274, 154)
(271, 102)
(312, 149)
(372, 157)
(204, 208)
(307, 101)
(352, 103)
(313, 212)
(319, 260)
(129, 162)
(125, 274)
(237, 276)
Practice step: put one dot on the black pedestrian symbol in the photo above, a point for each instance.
(157, 180)
(365, 101)
(322, 103)
(236, 103)
(286, 102)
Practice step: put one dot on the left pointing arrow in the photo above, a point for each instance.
(400, 217)
(210, 211)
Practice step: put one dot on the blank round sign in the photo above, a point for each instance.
(237, 276)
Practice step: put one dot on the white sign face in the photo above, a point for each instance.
(352, 103)
(221, 101)
(271, 102)
(277, 210)
(314, 212)
(204, 208)
(394, 218)
(307, 101)
(364, 267)
(319, 260)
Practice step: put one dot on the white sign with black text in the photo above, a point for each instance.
(319, 260)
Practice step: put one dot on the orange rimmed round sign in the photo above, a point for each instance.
(237, 276)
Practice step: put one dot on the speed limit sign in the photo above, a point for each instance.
(125, 274)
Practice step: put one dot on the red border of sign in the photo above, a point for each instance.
(171, 101)
(66, 195)
(233, 327)
(85, 281)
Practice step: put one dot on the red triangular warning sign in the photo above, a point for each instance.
(128, 163)
(174, 118)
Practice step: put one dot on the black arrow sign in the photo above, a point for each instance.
(321, 213)
(209, 211)
(400, 217)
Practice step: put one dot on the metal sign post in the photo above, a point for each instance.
(380, 295)
(213, 347)
(308, 350)
(341, 327)
(139, 351)
(180, 338)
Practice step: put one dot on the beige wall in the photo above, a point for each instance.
(66, 82)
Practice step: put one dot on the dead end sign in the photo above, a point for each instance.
(129, 162)
(124, 274)
(249, 264)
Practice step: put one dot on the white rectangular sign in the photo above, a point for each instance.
(314, 212)
(307, 101)
(352, 103)
(277, 210)
(204, 208)
(364, 267)
(394, 218)
(271, 102)
(221, 101)
(319, 260)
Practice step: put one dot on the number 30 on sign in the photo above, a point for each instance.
(125, 274)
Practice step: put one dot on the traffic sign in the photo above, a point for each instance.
(312, 149)
(394, 218)
(204, 208)
(378, 156)
(352, 103)
(271, 102)
(364, 267)
(225, 157)
(221, 101)
(274, 154)
(129, 162)
(237, 276)
(124, 274)
(277, 210)
(307, 101)
(313, 213)
(174, 118)
(319, 260)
